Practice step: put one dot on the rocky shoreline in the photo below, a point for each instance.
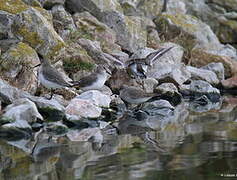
(77, 35)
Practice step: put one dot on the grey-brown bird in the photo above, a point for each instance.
(50, 77)
(95, 80)
(137, 68)
(134, 95)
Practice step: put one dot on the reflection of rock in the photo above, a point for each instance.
(198, 88)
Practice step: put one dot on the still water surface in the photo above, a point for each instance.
(197, 145)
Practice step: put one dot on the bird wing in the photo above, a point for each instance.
(136, 93)
(157, 54)
(52, 74)
(87, 80)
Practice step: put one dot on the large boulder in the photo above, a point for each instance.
(217, 68)
(220, 15)
(22, 110)
(89, 27)
(49, 109)
(6, 20)
(130, 30)
(62, 21)
(149, 9)
(36, 30)
(203, 74)
(198, 39)
(17, 67)
(88, 105)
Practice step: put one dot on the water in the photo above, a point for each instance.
(197, 145)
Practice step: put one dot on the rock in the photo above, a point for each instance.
(50, 109)
(13, 6)
(83, 108)
(22, 110)
(149, 84)
(170, 73)
(62, 21)
(75, 58)
(96, 97)
(194, 31)
(37, 31)
(121, 56)
(176, 7)
(48, 4)
(94, 50)
(17, 67)
(6, 20)
(153, 39)
(230, 83)
(95, 7)
(9, 93)
(223, 54)
(203, 74)
(198, 88)
(89, 27)
(217, 68)
(56, 128)
(218, 15)
(84, 134)
(231, 5)
(34, 3)
(149, 9)
(170, 91)
(130, 30)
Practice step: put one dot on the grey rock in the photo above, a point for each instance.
(89, 27)
(124, 26)
(18, 62)
(198, 88)
(203, 74)
(217, 68)
(84, 134)
(95, 96)
(37, 31)
(170, 73)
(94, 50)
(22, 109)
(53, 110)
(6, 19)
(83, 108)
(63, 22)
(56, 128)
(170, 92)
(9, 93)
(195, 32)
(149, 84)
(48, 4)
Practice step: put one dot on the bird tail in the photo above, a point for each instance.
(157, 54)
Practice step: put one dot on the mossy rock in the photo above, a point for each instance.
(38, 32)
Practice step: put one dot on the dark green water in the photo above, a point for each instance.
(197, 145)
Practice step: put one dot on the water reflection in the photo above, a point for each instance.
(191, 144)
